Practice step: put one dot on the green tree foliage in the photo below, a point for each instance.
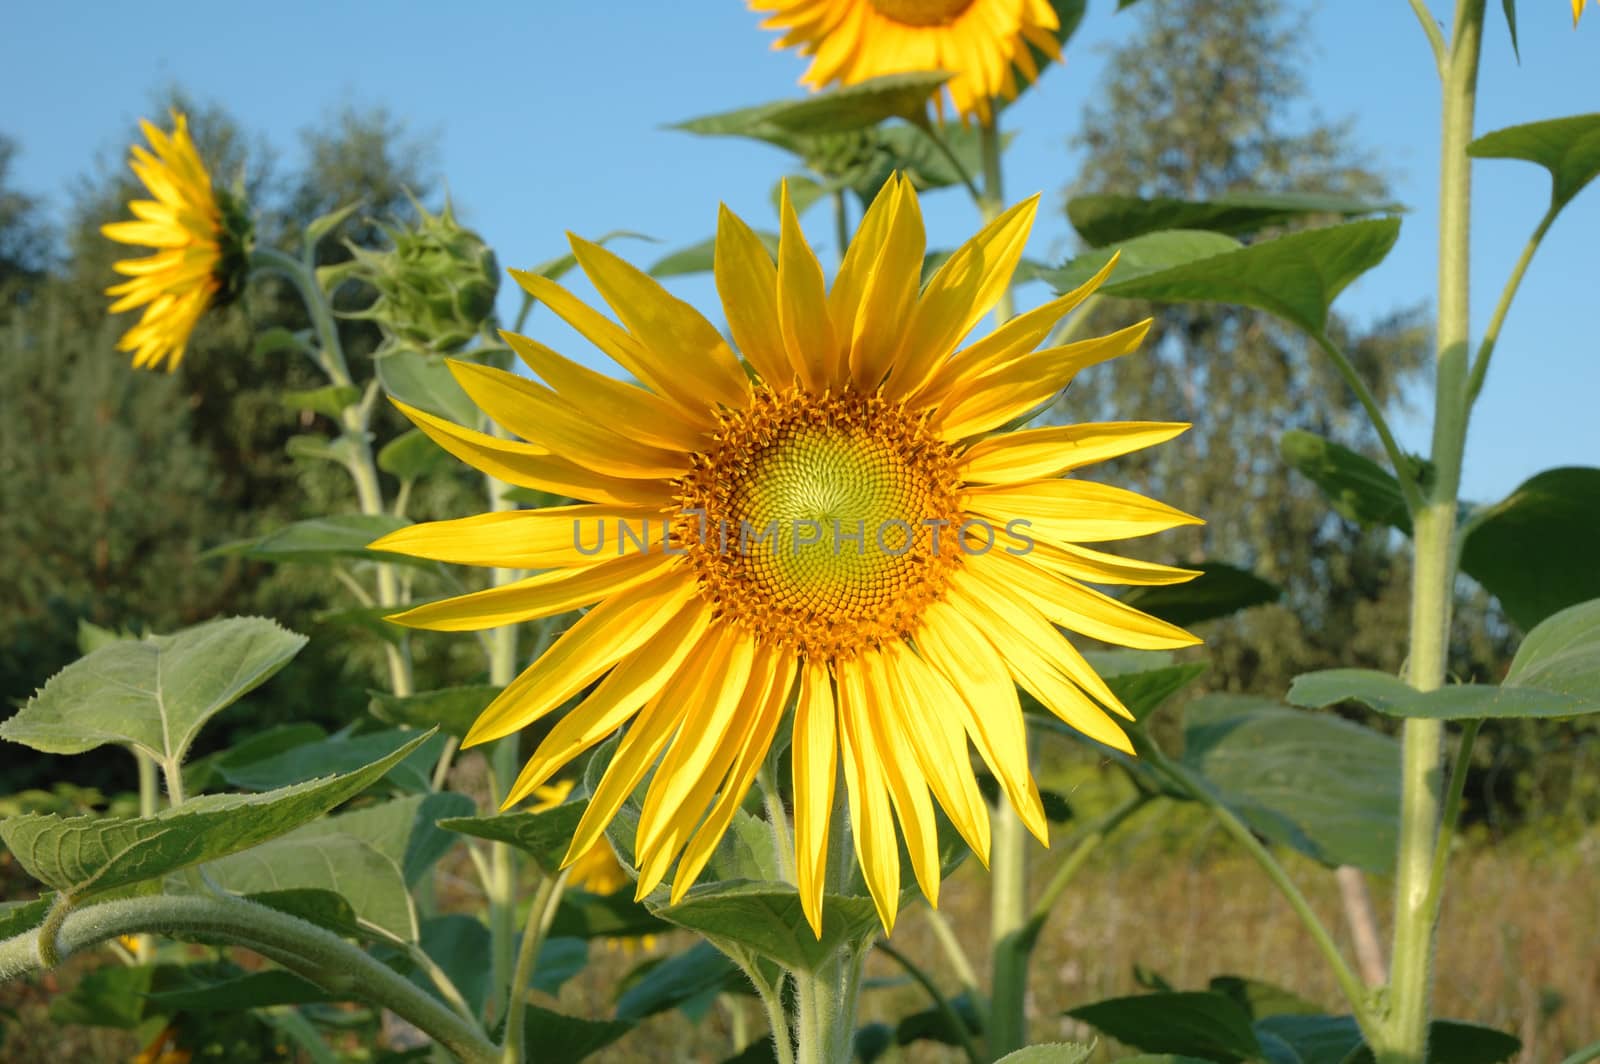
(1204, 100)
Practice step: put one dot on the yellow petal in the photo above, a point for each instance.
(747, 281)
(1077, 511)
(870, 818)
(637, 679)
(908, 788)
(1098, 567)
(555, 537)
(889, 295)
(803, 303)
(860, 258)
(1084, 610)
(1050, 452)
(682, 343)
(814, 762)
(605, 635)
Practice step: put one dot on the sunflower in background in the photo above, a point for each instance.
(200, 238)
(852, 531)
(984, 44)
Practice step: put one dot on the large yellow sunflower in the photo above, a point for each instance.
(983, 44)
(839, 528)
(187, 224)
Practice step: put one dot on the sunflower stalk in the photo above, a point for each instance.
(1403, 1038)
(540, 914)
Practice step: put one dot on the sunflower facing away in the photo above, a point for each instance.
(843, 529)
(983, 44)
(199, 241)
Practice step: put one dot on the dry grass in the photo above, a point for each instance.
(1519, 950)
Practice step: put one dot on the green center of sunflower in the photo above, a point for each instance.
(823, 524)
(922, 12)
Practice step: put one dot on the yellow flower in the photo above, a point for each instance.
(983, 44)
(1577, 11)
(813, 532)
(197, 237)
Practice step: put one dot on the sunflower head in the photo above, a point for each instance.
(436, 285)
(200, 236)
(829, 529)
(986, 45)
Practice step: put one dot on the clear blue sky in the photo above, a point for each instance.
(549, 116)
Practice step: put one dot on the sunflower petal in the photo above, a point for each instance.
(747, 281)
(1052, 451)
(803, 303)
(814, 762)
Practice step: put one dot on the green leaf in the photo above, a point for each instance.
(1295, 277)
(1359, 489)
(1050, 1053)
(1562, 654)
(320, 226)
(1219, 590)
(405, 830)
(766, 919)
(1259, 999)
(19, 916)
(152, 694)
(413, 455)
(314, 447)
(682, 977)
(1107, 219)
(562, 1039)
(327, 910)
(338, 753)
(371, 620)
(534, 498)
(329, 401)
(425, 382)
(323, 539)
(1141, 256)
(544, 835)
(248, 990)
(700, 258)
(1455, 1042)
(1314, 782)
(1313, 1038)
(1143, 692)
(87, 855)
(312, 860)
(585, 915)
(452, 709)
(804, 191)
(561, 958)
(1567, 147)
(838, 110)
(1510, 9)
(277, 338)
(111, 996)
(932, 1025)
(1535, 549)
(1197, 1023)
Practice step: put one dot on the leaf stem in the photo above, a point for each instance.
(953, 950)
(942, 1003)
(308, 950)
(1452, 812)
(1069, 866)
(923, 122)
(1350, 984)
(1397, 458)
(1491, 335)
(777, 820)
(841, 222)
(1435, 35)
(540, 914)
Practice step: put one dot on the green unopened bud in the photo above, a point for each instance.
(436, 285)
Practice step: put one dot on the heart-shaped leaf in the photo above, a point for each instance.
(1534, 550)
(766, 920)
(1105, 219)
(1359, 489)
(1567, 147)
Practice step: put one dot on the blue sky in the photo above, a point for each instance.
(550, 116)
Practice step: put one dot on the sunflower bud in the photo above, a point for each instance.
(436, 286)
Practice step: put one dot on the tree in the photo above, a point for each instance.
(1203, 101)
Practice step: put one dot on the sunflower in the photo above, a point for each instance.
(983, 44)
(199, 239)
(833, 523)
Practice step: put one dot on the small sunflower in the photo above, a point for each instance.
(845, 528)
(200, 240)
(983, 44)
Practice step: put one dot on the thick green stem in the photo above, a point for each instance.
(771, 997)
(504, 756)
(952, 1018)
(1404, 1038)
(308, 950)
(841, 222)
(1350, 984)
(825, 1022)
(540, 914)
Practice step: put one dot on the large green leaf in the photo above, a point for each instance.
(236, 990)
(337, 753)
(1105, 219)
(1556, 673)
(1359, 489)
(585, 915)
(153, 694)
(453, 709)
(425, 382)
(88, 855)
(839, 110)
(1049, 1053)
(1337, 1040)
(405, 830)
(329, 911)
(1197, 1023)
(323, 539)
(1535, 549)
(1295, 277)
(766, 919)
(1142, 255)
(1219, 590)
(1321, 785)
(1567, 147)
(1143, 692)
(355, 870)
(562, 1039)
(413, 455)
(544, 835)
